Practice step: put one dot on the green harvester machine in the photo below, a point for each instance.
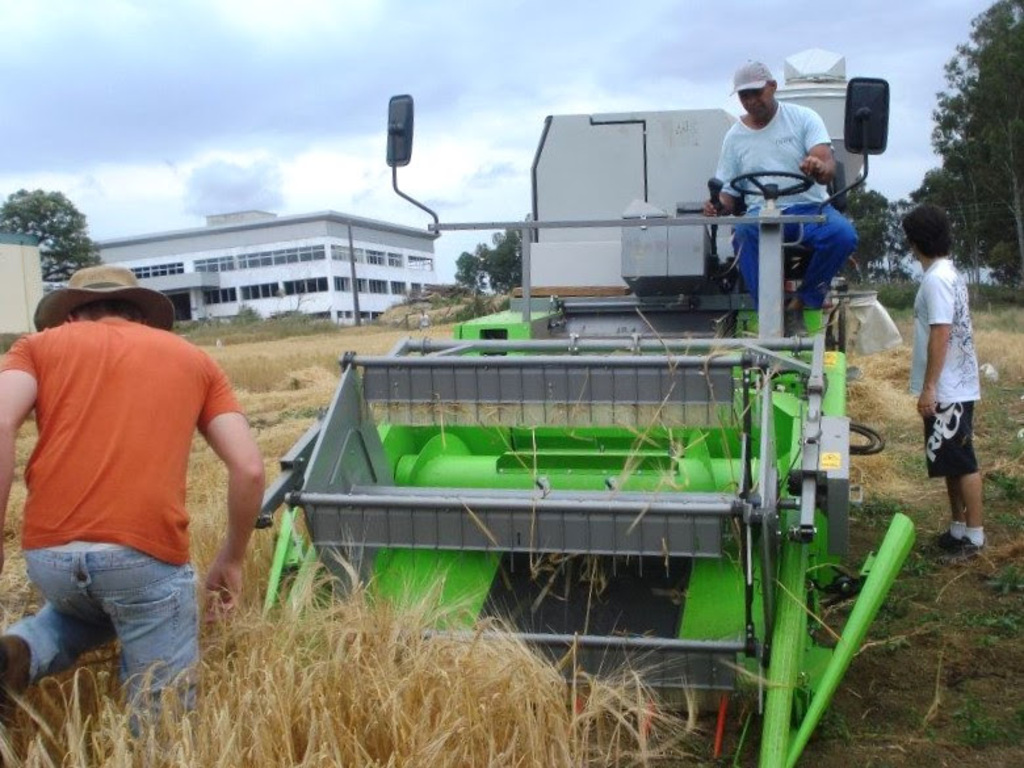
(641, 470)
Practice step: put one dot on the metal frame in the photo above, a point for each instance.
(771, 222)
(352, 505)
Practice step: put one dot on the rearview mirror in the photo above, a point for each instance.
(399, 131)
(866, 128)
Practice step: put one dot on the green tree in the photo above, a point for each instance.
(64, 243)
(469, 272)
(504, 262)
(979, 133)
(869, 212)
(955, 193)
(499, 267)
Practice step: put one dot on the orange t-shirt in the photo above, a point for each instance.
(117, 406)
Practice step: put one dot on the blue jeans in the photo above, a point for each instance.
(93, 597)
(833, 242)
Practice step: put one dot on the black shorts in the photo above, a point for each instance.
(949, 440)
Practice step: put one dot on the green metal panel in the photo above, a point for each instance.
(834, 403)
(746, 321)
(451, 585)
(714, 601)
(501, 325)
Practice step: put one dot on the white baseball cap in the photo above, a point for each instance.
(751, 76)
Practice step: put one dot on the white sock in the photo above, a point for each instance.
(975, 535)
(957, 529)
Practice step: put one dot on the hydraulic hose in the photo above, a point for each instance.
(875, 442)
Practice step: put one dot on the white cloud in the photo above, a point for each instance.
(119, 103)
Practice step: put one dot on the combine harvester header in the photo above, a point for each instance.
(647, 447)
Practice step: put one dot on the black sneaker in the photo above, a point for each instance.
(965, 550)
(947, 542)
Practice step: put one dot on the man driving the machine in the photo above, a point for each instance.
(783, 137)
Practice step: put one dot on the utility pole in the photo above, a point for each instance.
(355, 282)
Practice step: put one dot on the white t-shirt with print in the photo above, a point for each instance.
(942, 300)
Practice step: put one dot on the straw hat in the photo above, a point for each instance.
(103, 283)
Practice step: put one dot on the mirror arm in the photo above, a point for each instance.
(862, 114)
(417, 203)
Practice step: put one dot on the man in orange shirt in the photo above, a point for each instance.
(117, 400)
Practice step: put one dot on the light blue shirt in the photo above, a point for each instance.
(779, 146)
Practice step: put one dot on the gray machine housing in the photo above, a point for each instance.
(654, 164)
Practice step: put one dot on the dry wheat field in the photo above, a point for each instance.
(355, 683)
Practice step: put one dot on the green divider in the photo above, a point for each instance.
(786, 655)
(894, 550)
(291, 553)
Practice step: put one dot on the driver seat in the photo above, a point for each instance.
(796, 256)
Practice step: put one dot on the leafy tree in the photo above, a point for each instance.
(469, 272)
(869, 212)
(498, 267)
(64, 243)
(946, 189)
(899, 262)
(504, 262)
(979, 133)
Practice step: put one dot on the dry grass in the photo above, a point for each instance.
(349, 682)
(356, 683)
(881, 399)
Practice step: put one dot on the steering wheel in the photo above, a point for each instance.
(771, 191)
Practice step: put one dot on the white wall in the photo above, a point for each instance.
(21, 287)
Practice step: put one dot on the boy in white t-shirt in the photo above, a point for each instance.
(944, 375)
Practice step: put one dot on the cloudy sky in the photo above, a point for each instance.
(151, 114)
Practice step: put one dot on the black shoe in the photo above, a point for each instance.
(15, 663)
(964, 551)
(947, 542)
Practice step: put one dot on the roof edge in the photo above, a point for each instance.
(279, 221)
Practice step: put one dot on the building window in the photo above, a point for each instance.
(260, 291)
(378, 286)
(415, 288)
(222, 296)
(283, 256)
(340, 253)
(343, 284)
(159, 270)
(421, 262)
(375, 257)
(361, 285)
(398, 287)
(394, 259)
(307, 285)
(254, 260)
(218, 264)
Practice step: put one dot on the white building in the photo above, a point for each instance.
(276, 264)
(21, 282)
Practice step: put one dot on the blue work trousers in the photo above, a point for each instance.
(833, 242)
